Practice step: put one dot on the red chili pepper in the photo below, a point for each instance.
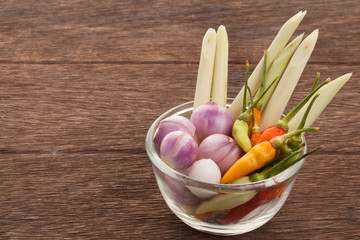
(282, 125)
(255, 129)
(270, 133)
(259, 199)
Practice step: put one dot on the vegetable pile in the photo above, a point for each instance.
(249, 140)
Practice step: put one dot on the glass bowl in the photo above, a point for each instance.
(266, 197)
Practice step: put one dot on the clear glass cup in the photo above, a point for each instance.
(268, 195)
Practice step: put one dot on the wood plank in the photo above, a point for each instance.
(109, 107)
(163, 31)
(70, 195)
(82, 81)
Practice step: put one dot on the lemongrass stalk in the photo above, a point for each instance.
(219, 83)
(227, 201)
(278, 67)
(288, 81)
(327, 93)
(206, 68)
(274, 50)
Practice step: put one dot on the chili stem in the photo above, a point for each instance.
(303, 120)
(327, 93)
(262, 85)
(245, 116)
(284, 123)
(316, 82)
(279, 140)
(281, 166)
(251, 96)
(296, 140)
(266, 173)
(246, 85)
(289, 164)
(280, 158)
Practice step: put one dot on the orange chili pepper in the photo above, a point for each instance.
(258, 156)
(255, 130)
(252, 160)
(258, 118)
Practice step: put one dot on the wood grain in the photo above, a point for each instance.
(120, 31)
(100, 195)
(82, 81)
(75, 108)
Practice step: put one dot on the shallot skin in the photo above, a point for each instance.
(222, 149)
(212, 118)
(179, 150)
(204, 170)
(171, 124)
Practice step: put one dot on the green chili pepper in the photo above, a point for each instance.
(288, 163)
(240, 133)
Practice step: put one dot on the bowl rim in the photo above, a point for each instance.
(166, 169)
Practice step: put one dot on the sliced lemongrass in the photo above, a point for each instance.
(227, 201)
(274, 50)
(278, 67)
(288, 81)
(206, 68)
(219, 83)
(327, 93)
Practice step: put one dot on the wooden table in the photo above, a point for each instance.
(82, 81)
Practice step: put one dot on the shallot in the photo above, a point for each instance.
(179, 150)
(222, 149)
(171, 124)
(211, 118)
(204, 170)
